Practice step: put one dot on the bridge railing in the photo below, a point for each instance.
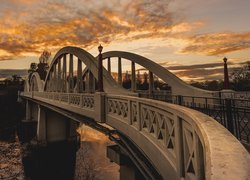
(82, 100)
(233, 113)
(195, 145)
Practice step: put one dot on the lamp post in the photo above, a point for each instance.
(226, 79)
(100, 73)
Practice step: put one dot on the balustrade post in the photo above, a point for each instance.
(99, 107)
(133, 80)
(119, 70)
(179, 146)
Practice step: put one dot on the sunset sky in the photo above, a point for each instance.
(189, 37)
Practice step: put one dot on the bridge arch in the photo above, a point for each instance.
(53, 77)
(36, 84)
(178, 86)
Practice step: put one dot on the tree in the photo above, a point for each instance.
(144, 85)
(44, 57)
(87, 167)
(241, 78)
(43, 64)
(126, 83)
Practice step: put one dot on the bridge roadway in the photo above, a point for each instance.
(176, 142)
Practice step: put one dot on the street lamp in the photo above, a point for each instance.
(100, 73)
(226, 79)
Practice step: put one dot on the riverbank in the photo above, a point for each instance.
(11, 160)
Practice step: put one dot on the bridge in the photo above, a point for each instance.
(163, 140)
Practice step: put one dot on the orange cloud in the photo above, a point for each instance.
(58, 24)
(217, 43)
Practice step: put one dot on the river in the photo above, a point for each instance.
(91, 162)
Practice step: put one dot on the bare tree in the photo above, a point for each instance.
(86, 167)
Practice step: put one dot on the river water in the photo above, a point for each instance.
(91, 162)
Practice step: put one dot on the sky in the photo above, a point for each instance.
(190, 38)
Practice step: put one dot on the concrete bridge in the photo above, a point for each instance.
(163, 140)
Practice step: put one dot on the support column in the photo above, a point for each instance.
(127, 169)
(79, 76)
(151, 83)
(55, 78)
(91, 82)
(56, 127)
(50, 82)
(100, 70)
(87, 82)
(28, 111)
(71, 81)
(64, 73)
(133, 81)
(109, 65)
(41, 125)
(119, 71)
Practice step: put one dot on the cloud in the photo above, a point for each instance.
(4, 58)
(217, 43)
(29, 26)
(201, 72)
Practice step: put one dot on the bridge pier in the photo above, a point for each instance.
(53, 154)
(127, 169)
(53, 127)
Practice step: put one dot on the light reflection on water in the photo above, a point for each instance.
(91, 158)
